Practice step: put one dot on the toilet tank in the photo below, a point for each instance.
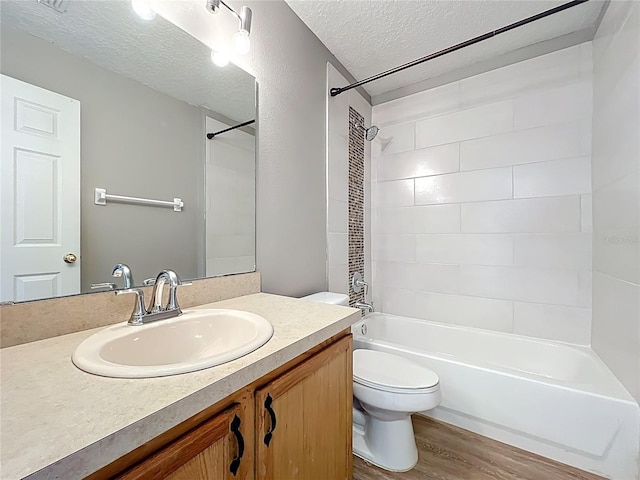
(329, 297)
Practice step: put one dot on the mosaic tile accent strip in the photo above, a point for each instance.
(356, 202)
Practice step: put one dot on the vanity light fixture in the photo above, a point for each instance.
(213, 6)
(219, 59)
(241, 37)
(143, 10)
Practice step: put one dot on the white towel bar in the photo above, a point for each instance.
(101, 198)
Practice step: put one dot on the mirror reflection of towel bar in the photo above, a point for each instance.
(102, 197)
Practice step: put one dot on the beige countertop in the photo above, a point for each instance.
(57, 421)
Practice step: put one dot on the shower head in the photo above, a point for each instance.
(369, 133)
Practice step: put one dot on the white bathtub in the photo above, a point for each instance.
(557, 400)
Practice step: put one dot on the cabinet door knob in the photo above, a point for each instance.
(267, 405)
(235, 429)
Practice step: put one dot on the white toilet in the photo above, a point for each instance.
(387, 390)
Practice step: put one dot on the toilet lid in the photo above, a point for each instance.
(391, 372)
(328, 297)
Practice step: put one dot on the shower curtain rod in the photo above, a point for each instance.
(480, 38)
(244, 124)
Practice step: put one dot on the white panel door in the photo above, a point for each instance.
(39, 191)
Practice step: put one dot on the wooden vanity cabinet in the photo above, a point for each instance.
(294, 423)
(213, 450)
(303, 419)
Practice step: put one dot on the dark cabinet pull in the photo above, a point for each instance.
(235, 429)
(267, 405)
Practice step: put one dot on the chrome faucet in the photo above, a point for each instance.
(156, 310)
(123, 270)
(363, 306)
(165, 277)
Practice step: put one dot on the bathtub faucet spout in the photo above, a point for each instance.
(364, 306)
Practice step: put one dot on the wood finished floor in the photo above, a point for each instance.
(446, 452)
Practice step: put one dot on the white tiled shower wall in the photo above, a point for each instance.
(481, 194)
(616, 193)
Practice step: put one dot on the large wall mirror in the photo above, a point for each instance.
(95, 102)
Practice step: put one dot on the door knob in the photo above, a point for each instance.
(70, 258)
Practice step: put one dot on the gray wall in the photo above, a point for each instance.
(289, 62)
(135, 141)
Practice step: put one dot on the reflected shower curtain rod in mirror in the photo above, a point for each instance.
(338, 90)
(244, 124)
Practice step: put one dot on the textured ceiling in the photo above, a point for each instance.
(155, 53)
(371, 36)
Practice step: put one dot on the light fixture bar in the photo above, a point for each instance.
(214, 5)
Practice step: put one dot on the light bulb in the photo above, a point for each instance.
(241, 41)
(143, 10)
(219, 59)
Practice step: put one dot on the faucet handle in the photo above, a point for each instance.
(110, 286)
(173, 294)
(139, 310)
(357, 283)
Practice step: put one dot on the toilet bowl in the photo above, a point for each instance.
(387, 390)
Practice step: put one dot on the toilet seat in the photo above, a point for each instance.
(392, 373)
(386, 388)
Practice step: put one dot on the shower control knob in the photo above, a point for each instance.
(357, 283)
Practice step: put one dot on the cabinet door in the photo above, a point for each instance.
(212, 451)
(304, 419)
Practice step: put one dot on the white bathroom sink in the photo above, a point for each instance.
(195, 340)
